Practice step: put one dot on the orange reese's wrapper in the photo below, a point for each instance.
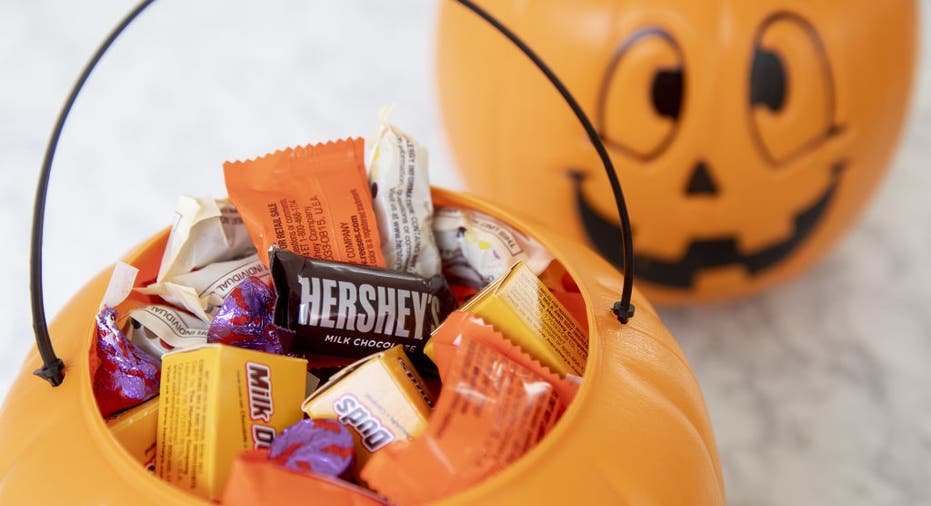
(496, 404)
(313, 200)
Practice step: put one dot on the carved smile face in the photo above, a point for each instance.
(747, 135)
(785, 45)
(701, 253)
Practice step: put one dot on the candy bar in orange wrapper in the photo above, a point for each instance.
(255, 479)
(313, 200)
(497, 403)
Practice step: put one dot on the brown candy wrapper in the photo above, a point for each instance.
(496, 404)
(313, 200)
(344, 310)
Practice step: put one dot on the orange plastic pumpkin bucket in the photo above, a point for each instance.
(636, 433)
(752, 134)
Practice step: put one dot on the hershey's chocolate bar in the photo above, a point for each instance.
(348, 310)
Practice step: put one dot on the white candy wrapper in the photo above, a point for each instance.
(202, 292)
(477, 249)
(402, 202)
(205, 231)
(153, 327)
(120, 285)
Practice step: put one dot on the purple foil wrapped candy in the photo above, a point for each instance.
(319, 445)
(245, 320)
(126, 376)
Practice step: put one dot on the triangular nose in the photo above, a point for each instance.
(701, 182)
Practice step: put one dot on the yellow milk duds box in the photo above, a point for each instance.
(380, 398)
(135, 430)
(217, 401)
(520, 306)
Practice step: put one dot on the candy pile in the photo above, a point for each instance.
(327, 335)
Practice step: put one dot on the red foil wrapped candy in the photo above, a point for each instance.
(125, 376)
(245, 320)
(320, 445)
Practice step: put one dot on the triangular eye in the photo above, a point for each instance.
(667, 92)
(767, 80)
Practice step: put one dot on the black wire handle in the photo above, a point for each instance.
(53, 367)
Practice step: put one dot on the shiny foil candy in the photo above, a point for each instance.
(125, 376)
(245, 320)
(323, 446)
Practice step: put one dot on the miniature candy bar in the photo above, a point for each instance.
(496, 404)
(216, 401)
(158, 329)
(313, 200)
(135, 430)
(528, 314)
(255, 479)
(477, 249)
(125, 375)
(205, 231)
(566, 291)
(245, 320)
(348, 310)
(402, 202)
(320, 445)
(380, 398)
(202, 291)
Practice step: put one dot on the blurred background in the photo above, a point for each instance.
(818, 390)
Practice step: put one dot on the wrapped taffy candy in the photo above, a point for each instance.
(245, 320)
(496, 404)
(402, 202)
(205, 231)
(158, 329)
(313, 200)
(202, 291)
(344, 310)
(256, 479)
(477, 249)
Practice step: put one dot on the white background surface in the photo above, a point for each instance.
(820, 391)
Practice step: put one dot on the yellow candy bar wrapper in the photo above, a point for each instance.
(217, 401)
(135, 430)
(381, 399)
(520, 306)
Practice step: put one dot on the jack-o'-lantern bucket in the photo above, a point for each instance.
(750, 135)
(637, 431)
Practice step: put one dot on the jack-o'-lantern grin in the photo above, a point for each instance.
(700, 254)
(785, 127)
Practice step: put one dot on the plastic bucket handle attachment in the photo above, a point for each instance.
(53, 368)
